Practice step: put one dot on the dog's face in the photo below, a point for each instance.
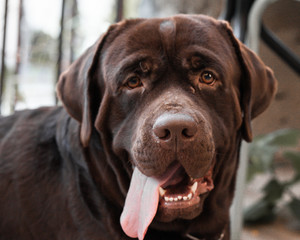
(171, 99)
(174, 102)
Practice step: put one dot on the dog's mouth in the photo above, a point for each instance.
(182, 191)
(171, 196)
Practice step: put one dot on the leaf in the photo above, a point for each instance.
(294, 206)
(284, 137)
(294, 157)
(252, 171)
(262, 157)
(263, 149)
(281, 137)
(294, 180)
(273, 191)
(260, 212)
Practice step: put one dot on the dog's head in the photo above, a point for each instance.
(172, 98)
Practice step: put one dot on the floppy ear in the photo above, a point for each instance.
(79, 88)
(257, 85)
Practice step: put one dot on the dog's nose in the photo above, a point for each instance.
(174, 129)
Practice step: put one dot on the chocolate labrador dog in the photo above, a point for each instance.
(147, 142)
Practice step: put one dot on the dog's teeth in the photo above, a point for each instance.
(178, 198)
(194, 187)
(162, 191)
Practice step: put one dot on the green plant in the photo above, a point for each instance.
(262, 160)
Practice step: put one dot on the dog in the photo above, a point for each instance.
(147, 142)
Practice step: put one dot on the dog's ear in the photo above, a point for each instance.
(80, 88)
(257, 85)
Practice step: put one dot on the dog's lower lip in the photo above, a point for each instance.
(179, 197)
(189, 194)
(191, 190)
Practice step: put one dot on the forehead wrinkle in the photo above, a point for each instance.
(208, 57)
(167, 31)
(128, 64)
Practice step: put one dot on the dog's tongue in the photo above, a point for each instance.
(141, 202)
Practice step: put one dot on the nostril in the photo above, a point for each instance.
(188, 132)
(162, 133)
(166, 135)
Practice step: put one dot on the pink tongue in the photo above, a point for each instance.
(141, 202)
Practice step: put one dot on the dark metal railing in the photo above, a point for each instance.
(280, 49)
(237, 12)
(60, 39)
(3, 67)
(119, 10)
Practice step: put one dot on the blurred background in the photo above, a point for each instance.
(39, 39)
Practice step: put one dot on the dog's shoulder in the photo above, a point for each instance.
(27, 123)
(29, 133)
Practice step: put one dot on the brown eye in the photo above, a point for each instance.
(134, 82)
(208, 78)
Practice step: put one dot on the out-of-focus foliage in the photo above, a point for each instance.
(262, 160)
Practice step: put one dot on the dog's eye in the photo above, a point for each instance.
(207, 77)
(134, 82)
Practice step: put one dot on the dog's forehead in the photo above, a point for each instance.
(167, 30)
(179, 30)
(170, 35)
(171, 41)
(167, 27)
